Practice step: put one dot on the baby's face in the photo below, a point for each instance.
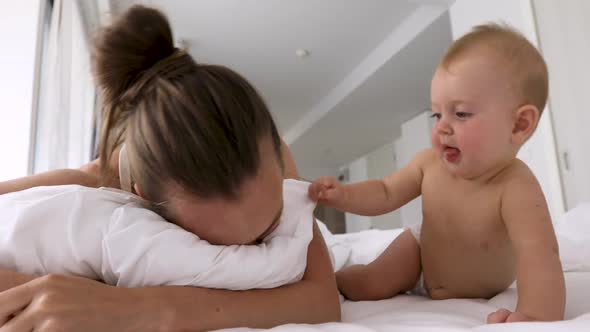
(246, 220)
(473, 100)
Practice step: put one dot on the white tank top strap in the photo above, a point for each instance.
(124, 171)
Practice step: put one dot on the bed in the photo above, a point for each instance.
(414, 313)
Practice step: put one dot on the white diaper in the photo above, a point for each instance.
(420, 289)
(416, 230)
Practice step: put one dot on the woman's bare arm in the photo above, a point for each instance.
(88, 175)
(9, 279)
(66, 302)
(51, 178)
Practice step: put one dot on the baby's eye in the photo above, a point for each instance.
(463, 115)
(436, 116)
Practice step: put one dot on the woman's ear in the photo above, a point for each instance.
(526, 119)
(138, 190)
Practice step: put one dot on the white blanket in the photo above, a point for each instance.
(573, 234)
(411, 313)
(415, 314)
(107, 235)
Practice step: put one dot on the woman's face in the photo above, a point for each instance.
(248, 219)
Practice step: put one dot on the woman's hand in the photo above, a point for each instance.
(67, 304)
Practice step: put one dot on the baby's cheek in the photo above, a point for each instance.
(473, 135)
(434, 141)
(472, 144)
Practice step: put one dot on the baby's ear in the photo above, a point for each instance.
(526, 119)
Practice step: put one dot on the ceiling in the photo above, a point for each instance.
(368, 69)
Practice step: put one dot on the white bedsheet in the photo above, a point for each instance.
(414, 314)
(573, 233)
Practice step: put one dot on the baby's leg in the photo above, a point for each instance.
(395, 271)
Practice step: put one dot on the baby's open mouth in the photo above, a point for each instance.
(451, 154)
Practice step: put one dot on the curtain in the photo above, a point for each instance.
(65, 116)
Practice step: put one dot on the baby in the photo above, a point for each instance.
(108, 235)
(485, 220)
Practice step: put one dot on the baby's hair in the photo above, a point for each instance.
(185, 124)
(515, 51)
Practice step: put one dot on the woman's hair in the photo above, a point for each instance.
(193, 125)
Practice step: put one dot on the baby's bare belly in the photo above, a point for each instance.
(466, 268)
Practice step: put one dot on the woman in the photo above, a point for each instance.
(201, 145)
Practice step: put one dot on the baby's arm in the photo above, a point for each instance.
(373, 197)
(540, 281)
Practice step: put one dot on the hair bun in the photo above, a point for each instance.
(128, 47)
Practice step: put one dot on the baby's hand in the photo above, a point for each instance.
(507, 316)
(326, 190)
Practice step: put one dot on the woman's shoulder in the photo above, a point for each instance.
(93, 173)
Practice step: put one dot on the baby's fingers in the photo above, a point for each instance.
(329, 195)
(319, 186)
(498, 316)
(314, 191)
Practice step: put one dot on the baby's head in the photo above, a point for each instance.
(487, 94)
(201, 143)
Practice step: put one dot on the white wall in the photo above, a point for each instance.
(539, 153)
(415, 138)
(385, 160)
(357, 171)
(381, 163)
(311, 173)
(563, 29)
(374, 165)
(18, 34)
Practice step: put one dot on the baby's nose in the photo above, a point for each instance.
(444, 128)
